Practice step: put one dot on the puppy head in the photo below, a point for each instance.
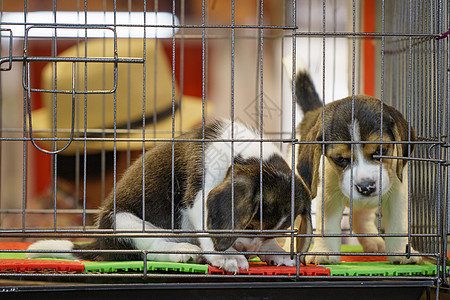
(357, 167)
(246, 212)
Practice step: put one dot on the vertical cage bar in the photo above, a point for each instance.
(261, 108)
(352, 133)
(115, 120)
(144, 99)
(447, 154)
(203, 110)
(24, 135)
(382, 101)
(173, 119)
(293, 128)
(55, 125)
(103, 154)
(85, 153)
(408, 119)
(233, 33)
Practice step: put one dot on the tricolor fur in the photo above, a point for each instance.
(202, 201)
(341, 173)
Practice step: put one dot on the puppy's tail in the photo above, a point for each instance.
(63, 249)
(307, 97)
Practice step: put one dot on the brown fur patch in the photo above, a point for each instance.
(339, 150)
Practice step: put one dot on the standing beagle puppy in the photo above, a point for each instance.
(190, 186)
(353, 174)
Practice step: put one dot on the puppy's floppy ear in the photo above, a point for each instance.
(305, 227)
(400, 132)
(308, 159)
(219, 204)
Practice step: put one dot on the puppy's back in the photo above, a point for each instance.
(186, 166)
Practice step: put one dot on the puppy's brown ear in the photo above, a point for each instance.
(400, 133)
(221, 213)
(308, 159)
(305, 227)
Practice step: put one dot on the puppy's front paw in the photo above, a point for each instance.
(184, 257)
(278, 260)
(399, 245)
(372, 244)
(403, 260)
(234, 263)
(230, 263)
(323, 259)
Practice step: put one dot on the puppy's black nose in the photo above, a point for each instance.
(366, 188)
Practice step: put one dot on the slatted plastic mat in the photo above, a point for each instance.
(351, 265)
(260, 268)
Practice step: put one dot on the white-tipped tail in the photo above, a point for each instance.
(51, 246)
(300, 65)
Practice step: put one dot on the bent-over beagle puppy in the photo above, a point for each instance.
(341, 175)
(197, 196)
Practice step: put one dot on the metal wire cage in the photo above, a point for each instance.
(86, 87)
(406, 60)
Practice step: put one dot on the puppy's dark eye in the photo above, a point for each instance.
(383, 152)
(341, 161)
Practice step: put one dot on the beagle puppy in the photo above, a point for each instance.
(190, 186)
(353, 174)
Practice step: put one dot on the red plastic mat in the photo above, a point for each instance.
(16, 262)
(26, 265)
(256, 268)
(14, 246)
(362, 258)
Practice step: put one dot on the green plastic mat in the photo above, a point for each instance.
(138, 266)
(380, 268)
(12, 255)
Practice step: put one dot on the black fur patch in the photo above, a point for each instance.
(306, 95)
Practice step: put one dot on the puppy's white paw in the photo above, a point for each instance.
(60, 245)
(403, 260)
(372, 244)
(230, 263)
(184, 257)
(323, 259)
(399, 245)
(277, 260)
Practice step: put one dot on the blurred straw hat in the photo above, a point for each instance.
(100, 106)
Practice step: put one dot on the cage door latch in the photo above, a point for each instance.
(446, 146)
(440, 147)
